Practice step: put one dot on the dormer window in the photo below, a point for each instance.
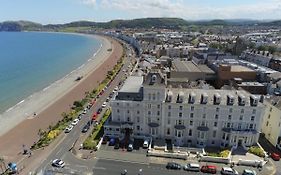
(230, 99)
(180, 97)
(204, 98)
(253, 100)
(191, 99)
(241, 100)
(217, 99)
(169, 96)
(153, 78)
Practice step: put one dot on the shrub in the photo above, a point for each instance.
(257, 151)
(53, 134)
(223, 154)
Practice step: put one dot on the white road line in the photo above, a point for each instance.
(99, 168)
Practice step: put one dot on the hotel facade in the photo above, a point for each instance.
(146, 107)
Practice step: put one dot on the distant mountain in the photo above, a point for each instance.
(168, 23)
(19, 25)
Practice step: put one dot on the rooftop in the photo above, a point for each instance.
(239, 68)
(132, 84)
(185, 66)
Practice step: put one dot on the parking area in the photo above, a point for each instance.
(137, 146)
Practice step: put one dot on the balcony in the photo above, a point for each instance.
(202, 128)
(239, 131)
(153, 125)
(180, 127)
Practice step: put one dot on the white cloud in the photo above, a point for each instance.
(182, 8)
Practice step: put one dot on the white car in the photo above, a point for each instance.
(192, 167)
(103, 105)
(145, 144)
(85, 111)
(58, 163)
(75, 122)
(68, 129)
(249, 172)
(228, 171)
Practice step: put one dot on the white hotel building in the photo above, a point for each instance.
(147, 107)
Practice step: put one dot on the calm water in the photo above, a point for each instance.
(31, 61)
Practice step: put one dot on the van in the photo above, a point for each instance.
(192, 167)
(145, 144)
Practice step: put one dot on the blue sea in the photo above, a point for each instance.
(31, 61)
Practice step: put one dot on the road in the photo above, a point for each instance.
(62, 150)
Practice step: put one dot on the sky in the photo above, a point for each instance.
(63, 11)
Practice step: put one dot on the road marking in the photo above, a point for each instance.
(99, 168)
(124, 161)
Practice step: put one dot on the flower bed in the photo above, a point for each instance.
(257, 151)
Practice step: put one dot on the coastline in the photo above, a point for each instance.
(25, 108)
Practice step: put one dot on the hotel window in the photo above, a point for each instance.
(229, 117)
(251, 126)
(180, 114)
(242, 111)
(214, 133)
(190, 122)
(203, 123)
(230, 110)
(138, 128)
(168, 121)
(267, 123)
(190, 132)
(117, 104)
(128, 111)
(228, 125)
(153, 96)
(192, 108)
(180, 107)
(191, 115)
(149, 106)
(204, 116)
(169, 107)
(149, 120)
(158, 106)
(149, 112)
(118, 110)
(158, 112)
(138, 119)
(138, 112)
(217, 109)
(216, 116)
(254, 111)
(149, 96)
(252, 118)
(169, 114)
(241, 117)
(168, 131)
(239, 125)
(128, 119)
(215, 124)
(213, 142)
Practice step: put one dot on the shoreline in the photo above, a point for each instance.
(51, 107)
(8, 122)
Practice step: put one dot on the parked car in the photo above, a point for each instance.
(192, 167)
(68, 129)
(173, 166)
(249, 172)
(209, 169)
(84, 111)
(145, 144)
(86, 128)
(116, 146)
(107, 99)
(111, 142)
(99, 111)
(130, 147)
(228, 171)
(275, 156)
(95, 115)
(58, 163)
(75, 122)
(103, 105)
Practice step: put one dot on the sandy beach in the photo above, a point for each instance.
(20, 126)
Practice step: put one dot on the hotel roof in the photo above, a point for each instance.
(132, 84)
(185, 66)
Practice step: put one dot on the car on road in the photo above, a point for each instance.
(209, 169)
(228, 171)
(111, 142)
(84, 111)
(117, 145)
(130, 147)
(104, 140)
(68, 129)
(75, 122)
(99, 110)
(103, 105)
(86, 128)
(107, 99)
(145, 144)
(192, 167)
(95, 115)
(275, 156)
(173, 166)
(58, 163)
(249, 172)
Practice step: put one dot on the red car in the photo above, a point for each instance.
(95, 116)
(209, 169)
(275, 156)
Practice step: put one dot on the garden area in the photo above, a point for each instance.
(46, 137)
(218, 152)
(256, 151)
